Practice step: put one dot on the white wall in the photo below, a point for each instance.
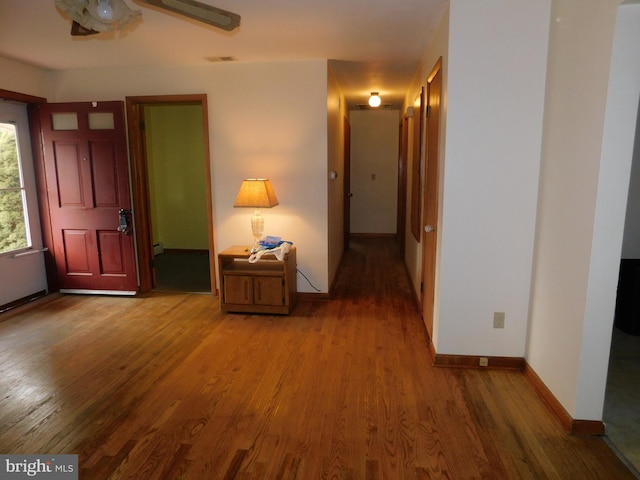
(494, 112)
(265, 120)
(374, 171)
(590, 118)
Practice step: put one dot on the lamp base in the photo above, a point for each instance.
(257, 228)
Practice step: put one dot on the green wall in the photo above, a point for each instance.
(177, 178)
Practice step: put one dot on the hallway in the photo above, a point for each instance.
(165, 386)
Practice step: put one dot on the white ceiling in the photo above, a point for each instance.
(374, 45)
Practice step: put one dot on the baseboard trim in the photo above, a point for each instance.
(373, 235)
(571, 425)
(22, 301)
(313, 297)
(32, 302)
(195, 251)
(473, 361)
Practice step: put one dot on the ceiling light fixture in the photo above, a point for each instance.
(374, 100)
(94, 16)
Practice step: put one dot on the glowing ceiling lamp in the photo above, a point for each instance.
(374, 100)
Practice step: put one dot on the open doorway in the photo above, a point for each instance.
(172, 192)
(622, 144)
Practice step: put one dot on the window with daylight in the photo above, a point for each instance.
(14, 225)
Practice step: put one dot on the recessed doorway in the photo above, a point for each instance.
(172, 192)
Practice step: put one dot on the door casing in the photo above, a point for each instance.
(140, 180)
(347, 185)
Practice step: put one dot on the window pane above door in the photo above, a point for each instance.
(101, 121)
(65, 121)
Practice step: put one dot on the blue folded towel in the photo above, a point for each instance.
(270, 242)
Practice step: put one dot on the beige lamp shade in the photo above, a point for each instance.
(256, 193)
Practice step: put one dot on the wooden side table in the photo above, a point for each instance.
(267, 286)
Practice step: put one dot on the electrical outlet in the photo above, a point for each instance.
(498, 319)
(484, 362)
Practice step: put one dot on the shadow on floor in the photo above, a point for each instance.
(183, 271)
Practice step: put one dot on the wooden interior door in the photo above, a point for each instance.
(347, 185)
(416, 176)
(403, 161)
(87, 176)
(430, 208)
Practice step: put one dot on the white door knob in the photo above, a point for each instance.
(429, 228)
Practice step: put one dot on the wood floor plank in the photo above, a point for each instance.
(165, 386)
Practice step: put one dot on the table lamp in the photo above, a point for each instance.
(256, 193)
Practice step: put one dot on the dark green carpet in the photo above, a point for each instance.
(183, 271)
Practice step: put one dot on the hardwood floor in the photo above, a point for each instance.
(167, 387)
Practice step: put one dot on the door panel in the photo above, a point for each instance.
(238, 289)
(87, 175)
(268, 291)
(68, 175)
(76, 252)
(112, 247)
(104, 179)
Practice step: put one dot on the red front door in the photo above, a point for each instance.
(87, 175)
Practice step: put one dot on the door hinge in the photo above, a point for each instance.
(152, 263)
(421, 287)
(142, 126)
(428, 111)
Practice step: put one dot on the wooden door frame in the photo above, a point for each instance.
(346, 214)
(140, 180)
(403, 150)
(416, 158)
